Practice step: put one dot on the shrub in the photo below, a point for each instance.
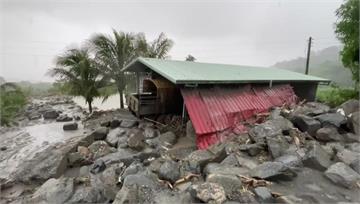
(335, 96)
(12, 100)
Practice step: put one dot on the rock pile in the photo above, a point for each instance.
(307, 154)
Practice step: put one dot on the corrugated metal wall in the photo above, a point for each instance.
(217, 112)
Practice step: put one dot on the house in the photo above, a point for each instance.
(217, 97)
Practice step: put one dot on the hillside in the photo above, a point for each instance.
(325, 63)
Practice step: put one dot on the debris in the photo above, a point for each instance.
(343, 175)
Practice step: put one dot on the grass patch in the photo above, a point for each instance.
(335, 96)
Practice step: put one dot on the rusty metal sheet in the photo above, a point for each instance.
(217, 113)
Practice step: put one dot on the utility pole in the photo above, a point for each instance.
(308, 56)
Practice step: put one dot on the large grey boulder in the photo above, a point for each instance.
(306, 124)
(263, 194)
(129, 123)
(50, 114)
(273, 171)
(347, 156)
(54, 191)
(136, 141)
(277, 145)
(63, 118)
(335, 119)
(113, 136)
(329, 133)
(350, 106)
(169, 171)
(311, 109)
(355, 165)
(150, 132)
(100, 148)
(343, 175)
(269, 128)
(316, 157)
(216, 168)
(100, 133)
(290, 160)
(212, 193)
(70, 126)
(87, 194)
(354, 122)
(231, 183)
(167, 138)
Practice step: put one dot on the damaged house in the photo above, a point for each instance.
(218, 98)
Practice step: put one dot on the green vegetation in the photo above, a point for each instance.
(113, 53)
(347, 31)
(12, 100)
(79, 74)
(335, 96)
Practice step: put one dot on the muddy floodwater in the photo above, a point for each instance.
(113, 102)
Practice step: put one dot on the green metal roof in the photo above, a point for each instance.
(184, 72)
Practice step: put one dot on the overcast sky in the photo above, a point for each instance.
(258, 33)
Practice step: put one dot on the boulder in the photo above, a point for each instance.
(351, 137)
(311, 109)
(328, 133)
(54, 191)
(269, 128)
(306, 124)
(264, 195)
(63, 118)
(98, 166)
(115, 123)
(134, 168)
(216, 168)
(354, 122)
(246, 161)
(272, 171)
(231, 183)
(50, 114)
(198, 159)
(100, 133)
(76, 159)
(113, 136)
(347, 156)
(34, 116)
(145, 178)
(70, 126)
(87, 194)
(100, 148)
(290, 160)
(355, 147)
(335, 119)
(212, 193)
(150, 132)
(343, 175)
(136, 141)
(355, 165)
(350, 106)
(167, 138)
(316, 157)
(128, 123)
(169, 171)
(252, 149)
(107, 181)
(277, 145)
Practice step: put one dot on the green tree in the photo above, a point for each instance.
(114, 52)
(78, 72)
(12, 100)
(347, 31)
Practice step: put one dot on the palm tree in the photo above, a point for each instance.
(113, 53)
(79, 73)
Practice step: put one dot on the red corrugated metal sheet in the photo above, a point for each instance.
(217, 113)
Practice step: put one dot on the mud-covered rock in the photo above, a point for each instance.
(263, 194)
(63, 118)
(316, 157)
(311, 109)
(54, 191)
(354, 122)
(347, 156)
(167, 138)
(150, 132)
(277, 145)
(216, 168)
(98, 166)
(115, 123)
(88, 194)
(269, 128)
(136, 141)
(100, 133)
(100, 148)
(335, 119)
(107, 181)
(128, 123)
(252, 149)
(290, 160)
(70, 126)
(351, 137)
(169, 171)
(272, 171)
(355, 165)
(50, 114)
(350, 106)
(343, 175)
(212, 193)
(231, 183)
(306, 124)
(113, 136)
(328, 133)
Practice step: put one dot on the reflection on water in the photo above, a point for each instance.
(113, 102)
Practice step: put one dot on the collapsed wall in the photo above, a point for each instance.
(217, 113)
